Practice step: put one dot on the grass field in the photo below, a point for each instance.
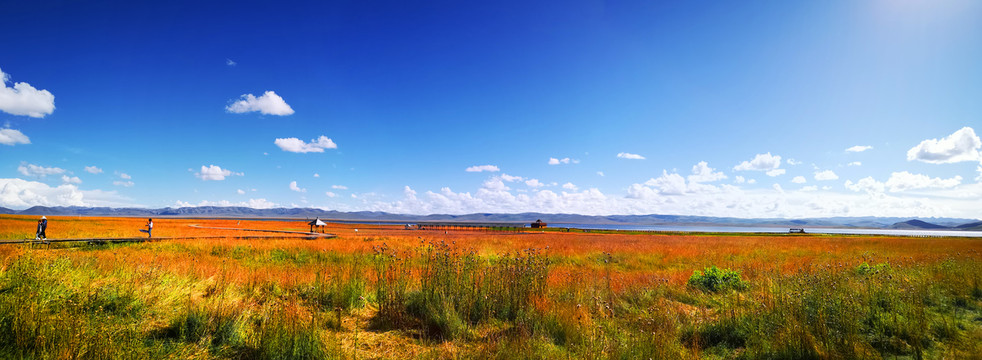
(384, 292)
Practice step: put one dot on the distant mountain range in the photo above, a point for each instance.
(653, 219)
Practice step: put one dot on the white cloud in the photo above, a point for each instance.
(299, 146)
(240, 192)
(339, 187)
(555, 161)
(534, 183)
(962, 145)
(267, 104)
(18, 193)
(123, 183)
(809, 188)
(760, 162)
(793, 162)
(799, 180)
(294, 187)
(214, 172)
(482, 168)
(93, 170)
(39, 171)
(903, 181)
(13, 137)
(701, 172)
(229, 62)
(330, 194)
(24, 99)
(252, 203)
(855, 163)
(125, 176)
(778, 188)
(316, 175)
(859, 148)
(739, 179)
(751, 181)
(630, 156)
(775, 172)
(510, 178)
(570, 186)
(866, 184)
(601, 173)
(70, 179)
(979, 178)
(826, 175)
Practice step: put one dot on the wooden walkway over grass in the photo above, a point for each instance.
(306, 235)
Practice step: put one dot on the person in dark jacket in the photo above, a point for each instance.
(42, 226)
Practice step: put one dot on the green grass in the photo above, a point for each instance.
(439, 296)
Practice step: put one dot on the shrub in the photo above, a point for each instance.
(714, 279)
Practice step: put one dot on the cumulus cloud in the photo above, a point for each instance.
(826, 175)
(482, 168)
(252, 203)
(760, 162)
(38, 171)
(214, 172)
(570, 186)
(855, 163)
(510, 178)
(267, 104)
(316, 175)
(867, 184)
(299, 146)
(240, 192)
(534, 183)
(962, 145)
(93, 170)
(125, 176)
(775, 172)
(70, 179)
(903, 181)
(793, 162)
(19, 193)
(701, 173)
(294, 187)
(24, 99)
(859, 148)
(799, 180)
(13, 137)
(123, 183)
(556, 161)
(630, 156)
(601, 173)
(339, 187)
(330, 194)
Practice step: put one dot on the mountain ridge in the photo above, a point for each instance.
(527, 217)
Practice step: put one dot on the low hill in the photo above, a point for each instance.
(972, 226)
(916, 225)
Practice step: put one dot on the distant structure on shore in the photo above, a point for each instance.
(317, 223)
(796, 231)
(538, 224)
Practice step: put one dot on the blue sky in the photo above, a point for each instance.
(646, 107)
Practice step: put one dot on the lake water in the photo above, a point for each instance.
(768, 229)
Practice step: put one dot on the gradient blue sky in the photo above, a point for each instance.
(415, 93)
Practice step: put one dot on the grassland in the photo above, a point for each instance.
(384, 292)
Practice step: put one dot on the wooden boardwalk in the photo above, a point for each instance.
(305, 235)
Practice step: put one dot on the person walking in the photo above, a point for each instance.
(149, 228)
(42, 226)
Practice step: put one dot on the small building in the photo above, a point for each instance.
(318, 223)
(796, 231)
(538, 224)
